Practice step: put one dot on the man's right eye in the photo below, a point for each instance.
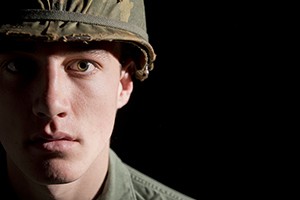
(12, 66)
(20, 66)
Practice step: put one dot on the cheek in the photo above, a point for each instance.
(12, 110)
(11, 124)
(96, 109)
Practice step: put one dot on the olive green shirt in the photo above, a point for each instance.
(125, 183)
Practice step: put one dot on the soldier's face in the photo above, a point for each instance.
(57, 107)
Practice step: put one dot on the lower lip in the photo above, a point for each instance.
(55, 145)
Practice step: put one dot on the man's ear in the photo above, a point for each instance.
(126, 83)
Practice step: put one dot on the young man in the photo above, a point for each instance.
(66, 67)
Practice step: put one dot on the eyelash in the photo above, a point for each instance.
(77, 67)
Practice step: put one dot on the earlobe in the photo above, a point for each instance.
(125, 85)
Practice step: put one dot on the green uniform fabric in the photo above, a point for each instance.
(125, 183)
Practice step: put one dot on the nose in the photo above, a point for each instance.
(51, 94)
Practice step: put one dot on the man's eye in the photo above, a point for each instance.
(83, 66)
(13, 66)
(18, 66)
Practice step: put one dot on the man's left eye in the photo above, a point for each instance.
(83, 66)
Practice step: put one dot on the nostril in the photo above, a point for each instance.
(63, 114)
(41, 115)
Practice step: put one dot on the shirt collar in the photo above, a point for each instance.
(118, 184)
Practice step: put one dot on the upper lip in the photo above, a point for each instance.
(51, 137)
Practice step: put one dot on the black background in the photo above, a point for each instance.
(204, 121)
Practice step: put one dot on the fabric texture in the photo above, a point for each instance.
(126, 183)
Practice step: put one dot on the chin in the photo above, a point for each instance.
(57, 172)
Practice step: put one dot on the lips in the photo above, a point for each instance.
(55, 142)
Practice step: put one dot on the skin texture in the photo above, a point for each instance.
(57, 111)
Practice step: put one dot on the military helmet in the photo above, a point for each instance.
(79, 20)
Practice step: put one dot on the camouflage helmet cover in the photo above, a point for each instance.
(79, 20)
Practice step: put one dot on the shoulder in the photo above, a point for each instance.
(127, 183)
(148, 188)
